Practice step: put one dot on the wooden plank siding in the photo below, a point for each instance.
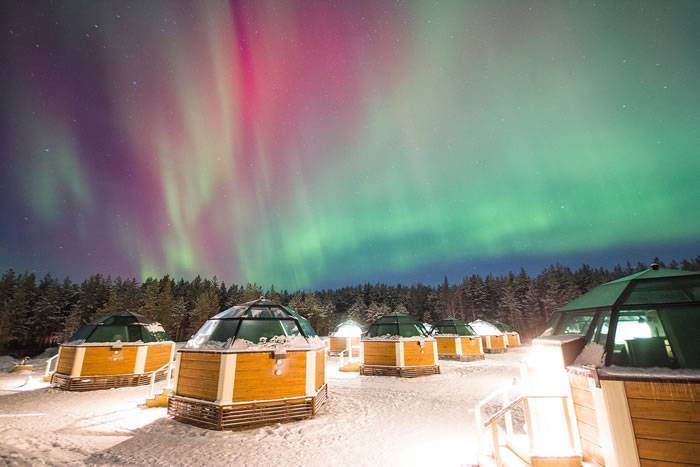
(198, 375)
(320, 369)
(417, 355)
(666, 421)
(105, 361)
(446, 345)
(470, 346)
(65, 361)
(256, 379)
(379, 353)
(586, 420)
(157, 356)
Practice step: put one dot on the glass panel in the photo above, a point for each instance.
(411, 330)
(106, 333)
(233, 312)
(223, 330)
(600, 336)
(683, 327)
(83, 333)
(380, 330)
(676, 290)
(575, 324)
(254, 330)
(552, 324)
(135, 334)
(641, 341)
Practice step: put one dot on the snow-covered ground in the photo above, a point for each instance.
(369, 420)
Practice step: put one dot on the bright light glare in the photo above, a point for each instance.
(348, 330)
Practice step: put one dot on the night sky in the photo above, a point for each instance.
(318, 143)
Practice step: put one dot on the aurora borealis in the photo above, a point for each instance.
(312, 143)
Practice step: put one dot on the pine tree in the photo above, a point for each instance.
(374, 312)
(358, 310)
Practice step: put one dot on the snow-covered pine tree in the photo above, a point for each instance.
(358, 310)
(374, 312)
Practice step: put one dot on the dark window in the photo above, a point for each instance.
(641, 341)
(576, 323)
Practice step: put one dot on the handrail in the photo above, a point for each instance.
(170, 366)
(48, 371)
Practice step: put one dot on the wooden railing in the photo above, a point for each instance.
(511, 398)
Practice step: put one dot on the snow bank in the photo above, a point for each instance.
(7, 363)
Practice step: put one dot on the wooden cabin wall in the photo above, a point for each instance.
(379, 353)
(471, 346)
(157, 356)
(446, 345)
(584, 408)
(320, 368)
(415, 355)
(256, 379)
(65, 360)
(198, 376)
(106, 361)
(666, 421)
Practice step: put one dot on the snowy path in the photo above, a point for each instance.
(368, 421)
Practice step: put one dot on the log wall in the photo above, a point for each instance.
(65, 360)
(471, 346)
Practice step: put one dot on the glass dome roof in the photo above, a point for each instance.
(257, 322)
(396, 324)
(453, 326)
(120, 327)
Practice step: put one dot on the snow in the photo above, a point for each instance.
(484, 328)
(369, 420)
(680, 375)
(275, 343)
(592, 354)
(398, 338)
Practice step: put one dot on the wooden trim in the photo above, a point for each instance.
(176, 370)
(622, 439)
(310, 389)
(458, 346)
(663, 391)
(78, 362)
(400, 357)
(140, 363)
(227, 376)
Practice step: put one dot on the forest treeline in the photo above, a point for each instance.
(39, 312)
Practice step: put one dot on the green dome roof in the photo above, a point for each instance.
(648, 287)
(396, 324)
(453, 326)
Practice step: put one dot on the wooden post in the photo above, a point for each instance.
(227, 376)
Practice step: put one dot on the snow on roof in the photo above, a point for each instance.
(679, 375)
(484, 328)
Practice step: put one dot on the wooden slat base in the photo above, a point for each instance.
(92, 383)
(495, 350)
(405, 372)
(232, 417)
(462, 358)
